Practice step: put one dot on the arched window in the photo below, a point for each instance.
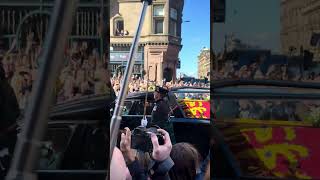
(118, 27)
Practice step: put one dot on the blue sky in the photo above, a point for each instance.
(195, 34)
(255, 22)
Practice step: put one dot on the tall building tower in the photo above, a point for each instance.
(204, 64)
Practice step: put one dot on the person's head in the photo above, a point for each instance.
(271, 69)
(25, 59)
(84, 45)
(144, 159)
(159, 93)
(84, 86)
(186, 160)
(243, 71)
(312, 75)
(254, 66)
(244, 104)
(85, 63)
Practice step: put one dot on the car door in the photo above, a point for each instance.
(73, 149)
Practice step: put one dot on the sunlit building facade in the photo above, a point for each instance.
(160, 41)
(204, 64)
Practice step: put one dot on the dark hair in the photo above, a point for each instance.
(186, 161)
(75, 90)
(2, 72)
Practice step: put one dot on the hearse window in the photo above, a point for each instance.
(268, 109)
(192, 96)
(53, 147)
(127, 106)
(138, 108)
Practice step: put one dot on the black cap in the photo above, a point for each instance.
(161, 90)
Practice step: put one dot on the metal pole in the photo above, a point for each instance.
(104, 30)
(146, 97)
(116, 118)
(25, 159)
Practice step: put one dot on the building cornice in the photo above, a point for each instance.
(140, 44)
(315, 5)
(150, 39)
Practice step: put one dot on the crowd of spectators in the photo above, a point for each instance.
(21, 69)
(230, 69)
(138, 84)
(264, 109)
(83, 73)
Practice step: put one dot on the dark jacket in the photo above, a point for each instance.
(9, 108)
(136, 171)
(160, 113)
(9, 111)
(160, 170)
(160, 117)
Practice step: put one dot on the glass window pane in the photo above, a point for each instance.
(173, 28)
(173, 14)
(119, 27)
(158, 10)
(158, 26)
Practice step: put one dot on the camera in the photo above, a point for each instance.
(141, 138)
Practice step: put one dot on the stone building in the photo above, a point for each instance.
(300, 19)
(204, 64)
(160, 41)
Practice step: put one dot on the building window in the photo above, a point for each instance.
(158, 10)
(173, 22)
(158, 19)
(173, 28)
(173, 14)
(158, 26)
(118, 27)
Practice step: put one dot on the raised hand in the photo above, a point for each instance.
(161, 152)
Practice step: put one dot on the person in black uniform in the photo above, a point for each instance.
(9, 110)
(161, 112)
